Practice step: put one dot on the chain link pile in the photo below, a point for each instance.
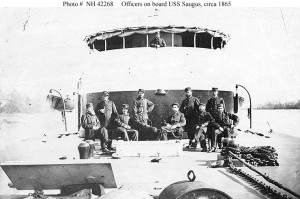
(256, 156)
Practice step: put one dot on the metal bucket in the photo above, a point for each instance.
(191, 190)
(92, 147)
(83, 149)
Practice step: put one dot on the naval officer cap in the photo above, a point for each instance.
(220, 106)
(88, 105)
(175, 103)
(202, 104)
(215, 89)
(105, 93)
(187, 89)
(125, 106)
(141, 90)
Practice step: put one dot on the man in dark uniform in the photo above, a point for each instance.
(173, 125)
(203, 119)
(212, 103)
(211, 107)
(106, 112)
(190, 108)
(141, 107)
(158, 41)
(226, 123)
(90, 122)
(124, 126)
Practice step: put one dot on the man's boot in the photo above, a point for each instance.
(203, 145)
(195, 144)
(109, 145)
(103, 147)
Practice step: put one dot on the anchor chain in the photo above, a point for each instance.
(259, 185)
(256, 156)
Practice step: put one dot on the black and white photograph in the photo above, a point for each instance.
(149, 99)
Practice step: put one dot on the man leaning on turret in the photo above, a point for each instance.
(107, 112)
(158, 41)
(212, 103)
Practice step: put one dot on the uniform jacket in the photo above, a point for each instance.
(141, 106)
(110, 110)
(211, 105)
(90, 120)
(177, 118)
(224, 119)
(190, 107)
(158, 41)
(140, 121)
(123, 121)
(204, 117)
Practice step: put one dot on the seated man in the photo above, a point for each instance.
(90, 122)
(224, 125)
(173, 125)
(203, 119)
(123, 128)
(146, 132)
(158, 41)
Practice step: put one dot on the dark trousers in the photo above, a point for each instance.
(224, 134)
(200, 135)
(127, 134)
(148, 133)
(89, 134)
(104, 137)
(190, 129)
(211, 136)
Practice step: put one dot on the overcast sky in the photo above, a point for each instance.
(43, 48)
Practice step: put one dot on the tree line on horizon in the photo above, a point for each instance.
(14, 102)
(279, 105)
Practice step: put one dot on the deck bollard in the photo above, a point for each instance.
(92, 147)
(83, 149)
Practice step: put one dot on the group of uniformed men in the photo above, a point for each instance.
(200, 123)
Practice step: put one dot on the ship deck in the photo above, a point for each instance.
(142, 175)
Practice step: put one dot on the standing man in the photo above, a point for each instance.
(211, 107)
(190, 108)
(141, 107)
(212, 103)
(226, 123)
(174, 124)
(123, 125)
(90, 122)
(106, 112)
(203, 119)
